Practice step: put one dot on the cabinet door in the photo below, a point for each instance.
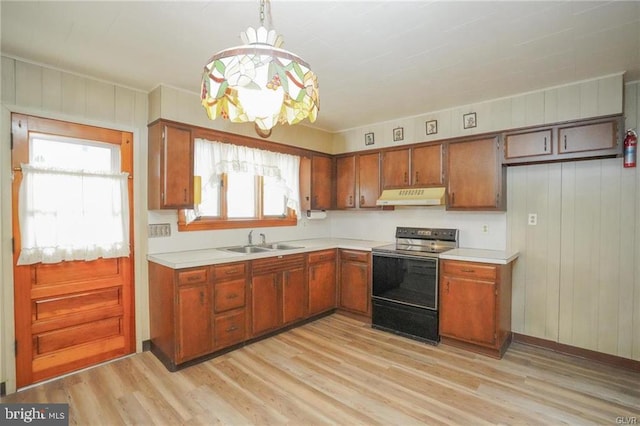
(355, 293)
(346, 182)
(395, 169)
(264, 303)
(368, 179)
(592, 137)
(528, 144)
(294, 295)
(475, 175)
(321, 182)
(426, 165)
(194, 322)
(170, 167)
(322, 287)
(468, 310)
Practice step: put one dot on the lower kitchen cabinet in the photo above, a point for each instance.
(194, 312)
(322, 281)
(355, 282)
(278, 292)
(475, 306)
(193, 307)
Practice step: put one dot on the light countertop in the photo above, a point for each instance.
(212, 256)
(500, 257)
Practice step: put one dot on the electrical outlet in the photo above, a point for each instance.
(532, 219)
(485, 229)
(159, 230)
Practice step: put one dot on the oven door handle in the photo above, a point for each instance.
(406, 256)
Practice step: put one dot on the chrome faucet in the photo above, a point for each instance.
(263, 239)
(251, 237)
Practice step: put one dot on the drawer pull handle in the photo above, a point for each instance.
(232, 328)
(192, 278)
(467, 270)
(232, 296)
(231, 271)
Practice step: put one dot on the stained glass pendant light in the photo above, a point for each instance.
(260, 82)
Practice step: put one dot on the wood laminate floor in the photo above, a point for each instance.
(340, 371)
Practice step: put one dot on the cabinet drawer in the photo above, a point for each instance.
(321, 256)
(355, 256)
(470, 270)
(193, 276)
(231, 270)
(229, 295)
(229, 329)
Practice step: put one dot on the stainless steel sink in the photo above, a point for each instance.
(246, 249)
(261, 248)
(279, 246)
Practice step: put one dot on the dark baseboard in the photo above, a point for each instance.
(3, 389)
(146, 345)
(613, 360)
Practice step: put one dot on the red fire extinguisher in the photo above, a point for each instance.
(630, 147)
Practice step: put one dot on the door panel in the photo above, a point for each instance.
(73, 314)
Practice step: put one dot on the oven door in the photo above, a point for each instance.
(406, 279)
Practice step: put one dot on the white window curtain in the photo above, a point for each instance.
(72, 215)
(215, 158)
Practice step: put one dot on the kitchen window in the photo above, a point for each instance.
(242, 187)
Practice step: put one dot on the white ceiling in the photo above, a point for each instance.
(375, 60)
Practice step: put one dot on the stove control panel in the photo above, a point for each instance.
(443, 234)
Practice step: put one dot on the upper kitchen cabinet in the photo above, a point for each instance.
(576, 140)
(321, 182)
(426, 165)
(170, 166)
(368, 179)
(476, 178)
(357, 180)
(417, 166)
(346, 182)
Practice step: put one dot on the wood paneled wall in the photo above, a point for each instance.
(577, 279)
(48, 92)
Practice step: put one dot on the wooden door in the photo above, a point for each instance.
(194, 337)
(368, 179)
(264, 303)
(395, 169)
(322, 287)
(468, 310)
(426, 165)
(294, 295)
(73, 314)
(346, 182)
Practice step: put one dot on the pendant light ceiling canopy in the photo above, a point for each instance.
(260, 82)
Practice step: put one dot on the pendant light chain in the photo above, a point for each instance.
(266, 4)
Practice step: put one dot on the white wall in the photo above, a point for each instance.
(577, 280)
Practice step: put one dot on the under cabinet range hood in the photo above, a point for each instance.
(412, 197)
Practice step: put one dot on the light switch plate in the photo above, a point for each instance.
(159, 230)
